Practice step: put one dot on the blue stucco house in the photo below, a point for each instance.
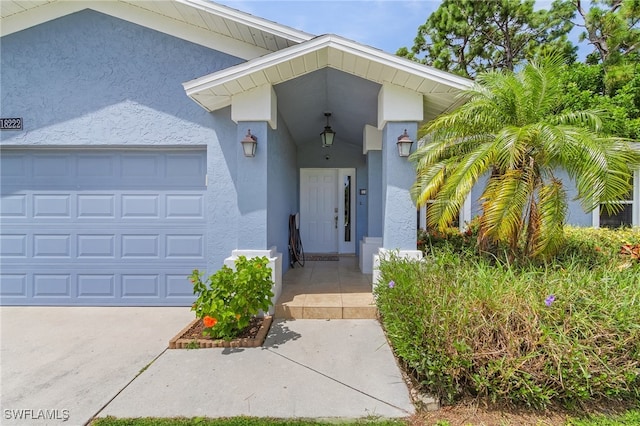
(128, 169)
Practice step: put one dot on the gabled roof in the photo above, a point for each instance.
(214, 91)
(200, 21)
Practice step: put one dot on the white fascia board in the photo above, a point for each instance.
(274, 28)
(131, 13)
(255, 65)
(325, 41)
(387, 59)
(39, 15)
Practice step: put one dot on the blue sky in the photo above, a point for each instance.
(384, 24)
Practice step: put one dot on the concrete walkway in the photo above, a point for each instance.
(76, 363)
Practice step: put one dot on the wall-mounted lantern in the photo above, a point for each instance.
(249, 144)
(404, 144)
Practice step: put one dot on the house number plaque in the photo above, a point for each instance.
(11, 123)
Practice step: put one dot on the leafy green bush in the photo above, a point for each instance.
(228, 299)
(630, 418)
(566, 331)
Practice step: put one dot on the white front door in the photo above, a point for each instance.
(327, 211)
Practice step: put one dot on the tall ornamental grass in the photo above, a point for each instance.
(567, 331)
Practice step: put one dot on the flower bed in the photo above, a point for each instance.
(191, 336)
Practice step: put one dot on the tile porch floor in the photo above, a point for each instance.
(326, 290)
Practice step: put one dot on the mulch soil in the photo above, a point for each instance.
(250, 332)
(251, 336)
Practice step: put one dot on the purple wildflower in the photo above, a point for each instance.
(392, 284)
(549, 300)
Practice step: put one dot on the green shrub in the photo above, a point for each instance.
(228, 299)
(566, 331)
(630, 418)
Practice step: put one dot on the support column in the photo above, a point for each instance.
(371, 147)
(373, 241)
(255, 110)
(374, 199)
(252, 188)
(399, 225)
(399, 211)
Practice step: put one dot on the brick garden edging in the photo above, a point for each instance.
(178, 342)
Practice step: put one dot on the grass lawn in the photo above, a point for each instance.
(442, 418)
(236, 421)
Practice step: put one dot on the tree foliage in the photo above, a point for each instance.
(585, 88)
(513, 130)
(471, 36)
(613, 28)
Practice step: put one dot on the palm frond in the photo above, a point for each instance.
(601, 167)
(552, 208)
(506, 198)
(458, 184)
(590, 119)
(428, 183)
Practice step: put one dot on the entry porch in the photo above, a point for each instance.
(326, 290)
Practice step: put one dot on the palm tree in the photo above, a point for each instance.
(513, 131)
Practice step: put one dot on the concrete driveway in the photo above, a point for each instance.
(63, 366)
(60, 366)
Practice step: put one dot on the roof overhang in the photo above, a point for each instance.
(215, 91)
(199, 21)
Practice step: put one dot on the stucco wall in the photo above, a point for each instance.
(283, 189)
(89, 79)
(399, 221)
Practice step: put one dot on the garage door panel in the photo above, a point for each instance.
(52, 206)
(106, 239)
(47, 285)
(101, 207)
(84, 244)
(13, 245)
(96, 206)
(13, 206)
(140, 285)
(13, 285)
(96, 165)
(96, 246)
(87, 285)
(52, 166)
(14, 167)
(100, 286)
(136, 246)
(185, 206)
(51, 245)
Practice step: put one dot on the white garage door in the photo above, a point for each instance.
(101, 227)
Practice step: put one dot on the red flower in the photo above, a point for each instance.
(209, 322)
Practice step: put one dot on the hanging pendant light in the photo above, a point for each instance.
(328, 134)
